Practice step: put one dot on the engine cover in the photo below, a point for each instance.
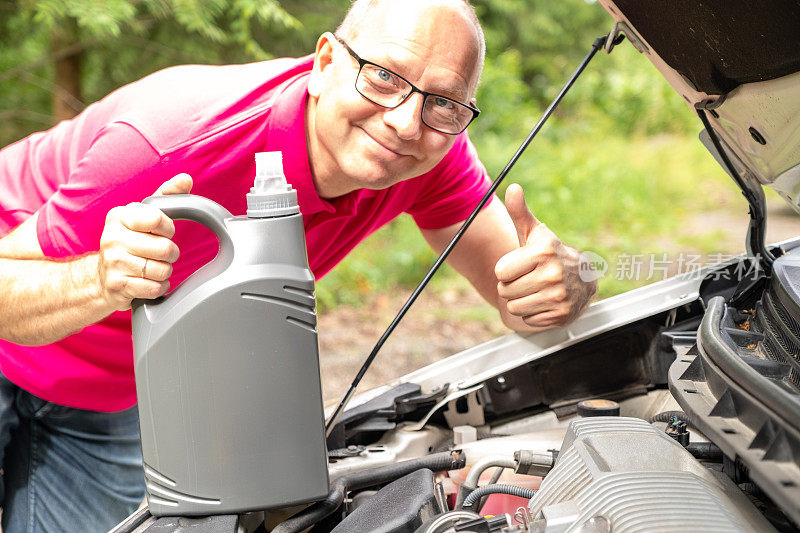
(623, 474)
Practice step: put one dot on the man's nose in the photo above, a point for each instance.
(406, 119)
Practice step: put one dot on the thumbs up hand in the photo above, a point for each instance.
(539, 281)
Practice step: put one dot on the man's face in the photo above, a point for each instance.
(358, 144)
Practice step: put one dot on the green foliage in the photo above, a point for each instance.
(123, 40)
(219, 21)
(534, 46)
(625, 92)
(503, 97)
(549, 36)
(25, 104)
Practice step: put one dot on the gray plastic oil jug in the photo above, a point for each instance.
(227, 368)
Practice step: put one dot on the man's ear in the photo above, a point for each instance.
(323, 57)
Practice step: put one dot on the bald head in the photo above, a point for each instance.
(434, 46)
(366, 16)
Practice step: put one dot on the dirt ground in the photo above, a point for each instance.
(447, 321)
(439, 325)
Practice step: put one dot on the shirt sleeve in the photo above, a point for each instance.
(448, 193)
(119, 167)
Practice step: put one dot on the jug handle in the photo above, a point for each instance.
(196, 209)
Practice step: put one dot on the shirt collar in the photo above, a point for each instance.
(286, 132)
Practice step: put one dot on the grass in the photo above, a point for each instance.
(614, 195)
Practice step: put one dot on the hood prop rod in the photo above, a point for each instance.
(756, 238)
(598, 44)
(756, 230)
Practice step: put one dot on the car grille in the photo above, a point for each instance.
(781, 332)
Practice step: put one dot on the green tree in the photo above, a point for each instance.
(534, 45)
(56, 56)
(549, 37)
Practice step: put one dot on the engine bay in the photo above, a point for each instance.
(630, 430)
(683, 418)
(691, 449)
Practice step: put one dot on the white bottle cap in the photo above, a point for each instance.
(269, 173)
(271, 195)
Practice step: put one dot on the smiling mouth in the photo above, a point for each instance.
(385, 150)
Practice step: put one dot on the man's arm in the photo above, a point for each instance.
(518, 265)
(42, 301)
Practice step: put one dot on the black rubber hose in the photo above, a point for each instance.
(513, 490)
(705, 451)
(495, 479)
(306, 518)
(666, 416)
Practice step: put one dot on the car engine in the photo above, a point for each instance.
(623, 474)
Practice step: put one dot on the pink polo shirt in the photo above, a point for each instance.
(207, 121)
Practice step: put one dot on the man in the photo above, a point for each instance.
(370, 126)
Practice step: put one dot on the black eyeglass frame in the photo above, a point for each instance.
(425, 94)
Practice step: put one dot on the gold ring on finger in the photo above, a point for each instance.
(144, 267)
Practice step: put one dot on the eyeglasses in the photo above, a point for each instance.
(383, 87)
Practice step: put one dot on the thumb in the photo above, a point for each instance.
(180, 184)
(521, 216)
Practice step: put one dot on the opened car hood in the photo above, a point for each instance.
(740, 59)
